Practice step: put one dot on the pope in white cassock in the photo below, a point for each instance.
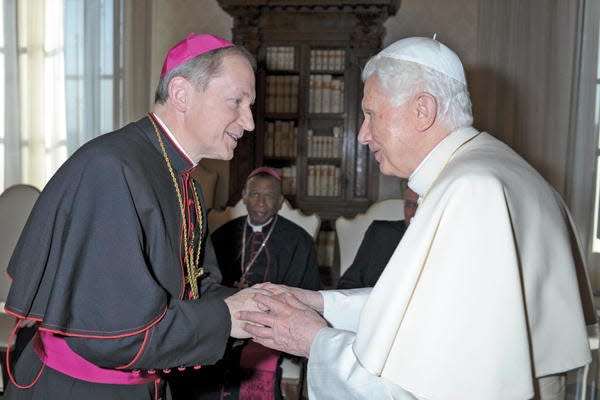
(485, 297)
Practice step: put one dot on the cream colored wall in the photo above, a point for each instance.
(173, 20)
(454, 22)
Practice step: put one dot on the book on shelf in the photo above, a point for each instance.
(323, 180)
(331, 60)
(288, 179)
(310, 180)
(282, 93)
(281, 139)
(321, 146)
(326, 94)
(337, 142)
(338, 182)
(281, 57)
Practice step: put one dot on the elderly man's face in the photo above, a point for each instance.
(262, 197)
(387, 131)
(222, 112)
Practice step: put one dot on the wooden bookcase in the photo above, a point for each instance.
(304, 47)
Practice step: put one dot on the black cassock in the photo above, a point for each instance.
(99, 261)
(288, 257)
(376, 249)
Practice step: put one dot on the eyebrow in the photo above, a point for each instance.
(252, 98)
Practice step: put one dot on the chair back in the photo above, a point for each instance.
(311, 223)
(216, 218)
(16, 203)
(350, 231)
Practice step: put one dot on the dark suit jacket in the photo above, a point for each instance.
(376, 248)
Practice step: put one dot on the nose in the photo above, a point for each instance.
(246, 120)
(261, 201)
(364, 135)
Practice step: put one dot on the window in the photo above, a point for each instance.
(61, 65)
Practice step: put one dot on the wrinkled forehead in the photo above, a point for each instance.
(237, 71)
(373, 92)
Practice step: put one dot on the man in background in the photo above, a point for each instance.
(486, 296)
(261, 246)
(264, 246)
(110, 263)
(378, 245)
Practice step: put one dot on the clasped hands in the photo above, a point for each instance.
(277, 316)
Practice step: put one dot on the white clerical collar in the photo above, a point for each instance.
(431, 166)
(257, 228)
(173, 139)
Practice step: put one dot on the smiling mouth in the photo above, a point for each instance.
(376, 153)
(233, 136)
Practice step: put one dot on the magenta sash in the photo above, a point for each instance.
(55, 353)
(261, 385)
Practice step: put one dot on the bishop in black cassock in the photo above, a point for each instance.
(378, 245)
(376, 248)
(109, 265)
(288, 256)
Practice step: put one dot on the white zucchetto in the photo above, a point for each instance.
(429, 53)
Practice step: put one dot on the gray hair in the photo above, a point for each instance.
(403, 79)
(200, 70)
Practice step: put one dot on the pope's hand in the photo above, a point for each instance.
(285, 324)
(311, 298)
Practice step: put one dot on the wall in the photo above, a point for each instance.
(173, 20)
(530, 91)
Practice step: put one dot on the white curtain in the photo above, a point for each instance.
(34, 115)
(63, 84)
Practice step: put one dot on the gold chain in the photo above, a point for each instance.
(194, 271)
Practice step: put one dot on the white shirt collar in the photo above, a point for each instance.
(258, 228)
(173, 139)
(428, 170)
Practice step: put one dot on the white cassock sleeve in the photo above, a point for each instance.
(342, 308)
(333, 370)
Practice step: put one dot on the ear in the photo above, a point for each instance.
(425, 111)
(244, 196)
(281, 198)
(179, 88)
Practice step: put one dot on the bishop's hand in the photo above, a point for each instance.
(242, 301)
(285, 324)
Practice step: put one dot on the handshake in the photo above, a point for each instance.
(277, 316)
